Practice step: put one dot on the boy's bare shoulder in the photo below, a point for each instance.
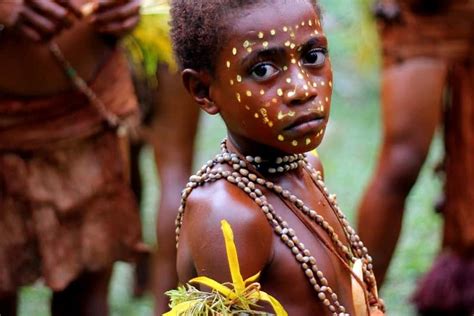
(201, 232)
(315, 161)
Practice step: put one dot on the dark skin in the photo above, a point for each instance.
(176, 121)
(201, 250)
(411, 111)
(29, 27)
(83, 41)
(412, 93)
(172, 135)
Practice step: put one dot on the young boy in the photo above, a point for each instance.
(264, 67)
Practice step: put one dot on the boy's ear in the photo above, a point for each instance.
(198, 85)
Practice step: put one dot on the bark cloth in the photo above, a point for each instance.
(65, 203)
(448, 36)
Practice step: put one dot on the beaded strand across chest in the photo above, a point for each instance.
(248, 181)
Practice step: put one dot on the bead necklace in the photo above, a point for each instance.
(278, 165)
(249, 181)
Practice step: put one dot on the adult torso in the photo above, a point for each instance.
(29, 68)
(445, 32)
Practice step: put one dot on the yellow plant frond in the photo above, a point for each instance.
(238, 296)
(224, 290)
(232, 257)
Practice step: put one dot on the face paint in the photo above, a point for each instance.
(269, 95)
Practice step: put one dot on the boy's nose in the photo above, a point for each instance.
(301, 90)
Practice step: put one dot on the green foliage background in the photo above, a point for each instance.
(348, 152)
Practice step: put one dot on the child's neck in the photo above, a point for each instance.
(265, 159)
(248, 147)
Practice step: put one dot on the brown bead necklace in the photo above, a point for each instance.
(247, 177)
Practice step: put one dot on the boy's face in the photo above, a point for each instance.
(273, 79)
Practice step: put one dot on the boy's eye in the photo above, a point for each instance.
(315, 57)
(263, 71)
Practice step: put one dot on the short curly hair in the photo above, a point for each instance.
(199, 28)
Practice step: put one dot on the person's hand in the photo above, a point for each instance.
(40, 20)
(116, 17)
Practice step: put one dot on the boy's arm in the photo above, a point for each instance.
(202, 248)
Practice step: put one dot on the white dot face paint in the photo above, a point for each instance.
(266, 100)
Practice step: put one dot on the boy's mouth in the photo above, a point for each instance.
(305, 124)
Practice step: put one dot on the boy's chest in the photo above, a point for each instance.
(288, 277)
